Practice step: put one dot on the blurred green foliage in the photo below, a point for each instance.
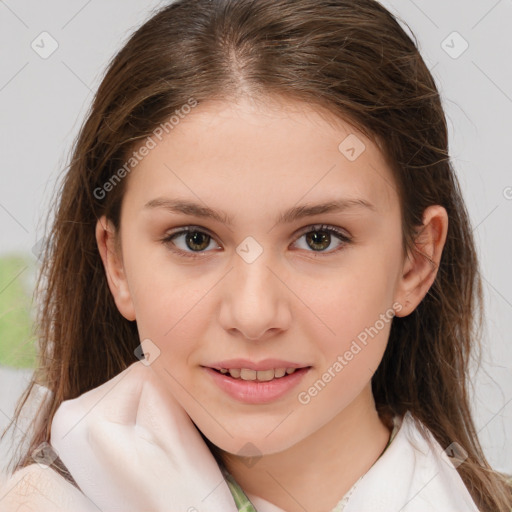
(17, 341)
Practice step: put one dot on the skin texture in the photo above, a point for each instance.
(294, 302)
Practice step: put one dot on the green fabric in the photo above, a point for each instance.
(242, 502)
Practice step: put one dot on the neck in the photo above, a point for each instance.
(315, 473)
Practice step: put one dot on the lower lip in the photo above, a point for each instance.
(255, 392)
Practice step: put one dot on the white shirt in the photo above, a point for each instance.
(414, 474)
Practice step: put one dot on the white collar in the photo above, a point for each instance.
(413, 475)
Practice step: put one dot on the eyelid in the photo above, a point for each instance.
(324, 227)
(189, 227)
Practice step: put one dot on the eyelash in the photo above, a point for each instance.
(309, 229)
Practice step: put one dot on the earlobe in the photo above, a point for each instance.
(422, 261)
(114, 269)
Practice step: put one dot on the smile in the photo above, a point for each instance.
(256, 386)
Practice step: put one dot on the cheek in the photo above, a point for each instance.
(351, 353)
(169, 304)
(171, 316)
(360, 315)
(351, 301)
(356, 310)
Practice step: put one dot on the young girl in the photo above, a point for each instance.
(260, 291)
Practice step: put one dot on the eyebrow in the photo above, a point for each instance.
(288, 216)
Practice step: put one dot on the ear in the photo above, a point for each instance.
(111, 256)
(422, 262)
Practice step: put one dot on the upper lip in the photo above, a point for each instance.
(265, 364)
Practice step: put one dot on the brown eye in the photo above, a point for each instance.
(188, 241)
(197, 241)
(320, 238)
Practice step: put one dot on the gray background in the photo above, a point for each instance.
(43, 103)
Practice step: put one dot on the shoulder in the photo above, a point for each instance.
(35, 488)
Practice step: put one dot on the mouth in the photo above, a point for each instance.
(256, 385)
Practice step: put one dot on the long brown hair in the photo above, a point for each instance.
(350, 58)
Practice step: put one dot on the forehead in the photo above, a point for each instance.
(265, 154)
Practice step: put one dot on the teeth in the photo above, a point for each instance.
(262, 375)
(265, 375)
(279, 372)
(247, 374)
(235, 372)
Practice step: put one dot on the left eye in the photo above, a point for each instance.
(320, 237)
(194, 241)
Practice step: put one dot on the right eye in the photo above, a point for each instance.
(192, 241)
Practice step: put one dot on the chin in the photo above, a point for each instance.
(253, 443)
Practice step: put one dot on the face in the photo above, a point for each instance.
(270, 280)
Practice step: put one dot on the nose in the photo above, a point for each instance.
(255, 302)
